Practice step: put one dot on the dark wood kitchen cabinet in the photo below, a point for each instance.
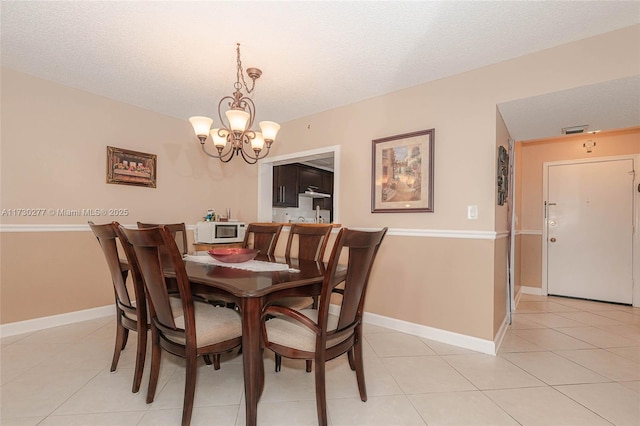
(310, 177)
(285, 186)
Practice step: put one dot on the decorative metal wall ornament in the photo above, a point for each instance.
(503, 175)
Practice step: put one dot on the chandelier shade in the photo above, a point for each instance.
(235, 136)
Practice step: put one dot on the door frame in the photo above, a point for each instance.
(635, 267)
(265, 179)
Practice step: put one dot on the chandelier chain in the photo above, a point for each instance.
(240, 75)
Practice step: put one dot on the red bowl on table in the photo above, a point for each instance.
(233, 255)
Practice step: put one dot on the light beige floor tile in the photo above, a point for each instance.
(341, 381)
(634, 386)
(371, 329)
(544, 306)
(397, 344)
(582, 305)
(445, 349)
(471, 408)
(550, 339)
(9, 340)
(70, 333)
(108, 392)
(23, 356)
(84, 355)
(491, 372)
(589, 318)
(40, 393)
(286, 413)
(550, 320)
(543, 406)
(621, 316)
(21, 421)
(380, 410)
(292, 383)
(628, 331)
(553, 369)
(630, 353)
(522, 321)
(100, 419)
(213, 387)
(597, 337)
(425, 374)
(604, 363)
(515, 343)
(619, 405)
(200, 416)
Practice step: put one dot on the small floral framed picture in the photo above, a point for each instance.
(402, 173)
(125, 167)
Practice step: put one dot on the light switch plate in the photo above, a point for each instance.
(472, 212)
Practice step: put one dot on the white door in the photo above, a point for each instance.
(590, 230)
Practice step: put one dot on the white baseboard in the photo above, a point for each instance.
(37, 324)
(443, 336)
(536, 291)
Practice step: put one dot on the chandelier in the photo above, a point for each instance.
(235, 136)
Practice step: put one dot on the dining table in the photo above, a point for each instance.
(252, 291)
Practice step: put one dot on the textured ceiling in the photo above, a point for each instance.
(178, 57)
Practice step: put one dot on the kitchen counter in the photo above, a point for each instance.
(335, 225)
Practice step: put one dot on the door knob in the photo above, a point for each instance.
(553, 240)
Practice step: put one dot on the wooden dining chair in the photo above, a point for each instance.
(311, 241)
(178, 232)
(201, 329)
(313, 334)
(263, 237)
(131, 314)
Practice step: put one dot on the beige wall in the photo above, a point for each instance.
(446, 283)
(533, 154)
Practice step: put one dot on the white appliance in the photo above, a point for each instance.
(219, 232)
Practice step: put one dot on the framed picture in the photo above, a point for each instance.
(126, 167)
(402, 173)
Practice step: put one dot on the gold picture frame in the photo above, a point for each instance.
(125, 167)
(402, 173)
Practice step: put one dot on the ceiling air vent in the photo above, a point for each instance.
(575, 129)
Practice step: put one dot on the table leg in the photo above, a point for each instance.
(252, 357)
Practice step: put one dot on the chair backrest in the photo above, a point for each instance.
(145, 247)
(178, 231)
(312, 240)
(107, 237)
(362, 249)
(265, 237)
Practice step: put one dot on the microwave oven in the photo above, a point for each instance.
(219, 232)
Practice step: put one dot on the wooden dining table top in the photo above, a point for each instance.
(244, 283)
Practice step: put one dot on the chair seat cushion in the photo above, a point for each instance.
(214, 324)
(286, 331)
(176, 308)
(296, 303)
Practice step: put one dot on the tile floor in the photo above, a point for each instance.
(562, 362)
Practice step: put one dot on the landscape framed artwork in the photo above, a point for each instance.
(402, 173)
(125, 167)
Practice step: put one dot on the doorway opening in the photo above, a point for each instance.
(327, 158)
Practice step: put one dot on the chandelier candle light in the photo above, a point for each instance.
(232, 137)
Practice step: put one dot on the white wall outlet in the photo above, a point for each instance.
(472, 212)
